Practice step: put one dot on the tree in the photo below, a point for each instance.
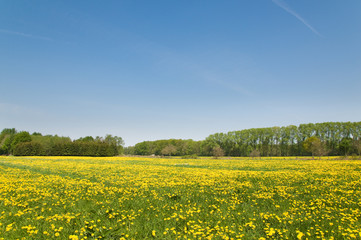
(8, 131)
(117, 141)
(6, 138)
(169, 150)
(217, 152)
(345, 146)
(86, 139)
(315, 146)
(20, 138)
(129, 150)
(142, 148)
(206, 147)
(49, 142)
(6, 144)
(357, 146)
(319, 149)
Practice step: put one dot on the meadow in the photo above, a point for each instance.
(160, 198)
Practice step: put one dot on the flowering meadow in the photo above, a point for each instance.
(160, 198)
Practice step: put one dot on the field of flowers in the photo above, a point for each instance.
(158, 198)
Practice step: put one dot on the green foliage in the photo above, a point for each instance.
(335, 138)
(85, 139)
(24, 144)
(207, 147)
(114, 140)
(20, 138)
(142, 148)
(274, 141)
(345, 146)
(8, 131)
(94, 149)
(310, 143)
(6, 144)
(6, 138)
(28, 149)
(48, 141)
(9, 138)
(182, 147)
(129, 150)
(357, 146)
(286, 141)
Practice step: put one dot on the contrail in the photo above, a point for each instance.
(283, 5)
(25, 35)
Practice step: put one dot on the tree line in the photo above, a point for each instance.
(169, 147)
(25, 144)
(329, 138)
(319, 139)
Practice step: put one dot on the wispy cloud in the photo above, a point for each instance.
(21, 34)
(285, 7)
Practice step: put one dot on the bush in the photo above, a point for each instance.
(92, 149)
(28, 149)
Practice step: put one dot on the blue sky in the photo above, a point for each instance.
(147, 70)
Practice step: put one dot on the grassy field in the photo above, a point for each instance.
(155, 198)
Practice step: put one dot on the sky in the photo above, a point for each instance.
(148, 70)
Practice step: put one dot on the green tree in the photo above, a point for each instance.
(357, 146)
(142, 148)
(116, 141)
(6, 138)
(20, 138)
(315, 146)
(8, 131)
(86, 139)
(345, 146)
(130, 150)
(6, 144)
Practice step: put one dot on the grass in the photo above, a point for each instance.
(157, 198)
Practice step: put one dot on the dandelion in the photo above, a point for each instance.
(300, 235)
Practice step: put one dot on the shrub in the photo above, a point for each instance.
(28, 149)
